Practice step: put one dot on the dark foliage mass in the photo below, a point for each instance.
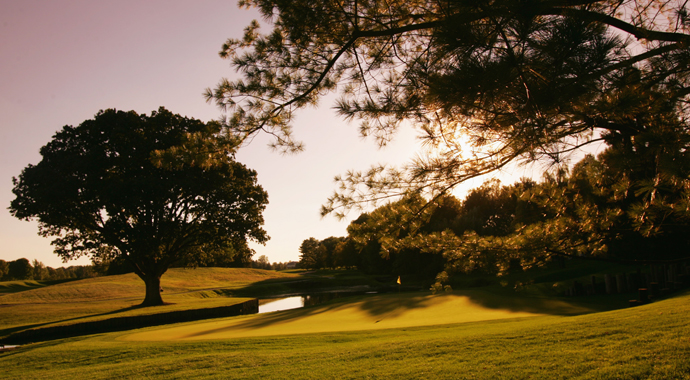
(20, 269)
(144, 191)
(487, 83)
(385, 241)
(591, 211)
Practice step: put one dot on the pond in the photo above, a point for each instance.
(277, 304)
(295, 302)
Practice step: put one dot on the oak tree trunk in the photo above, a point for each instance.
(153, 291)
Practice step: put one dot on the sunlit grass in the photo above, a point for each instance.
(372, 312)
(7, 287)
(29, 304)
(487, 333)
(647, 342)
(175, 281)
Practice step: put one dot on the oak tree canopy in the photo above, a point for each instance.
(153, 190)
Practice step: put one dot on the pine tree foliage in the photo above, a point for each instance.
(486, 83)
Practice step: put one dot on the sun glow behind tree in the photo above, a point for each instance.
(525, 74)
(489, 84)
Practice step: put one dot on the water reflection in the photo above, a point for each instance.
(280, 304)
(295, 302)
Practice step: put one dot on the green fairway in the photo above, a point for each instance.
(368, 313)
(646, 342)
(482, 333)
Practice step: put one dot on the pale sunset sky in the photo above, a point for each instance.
(63, 61)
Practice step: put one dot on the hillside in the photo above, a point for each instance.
(34, 304)
(645, 342)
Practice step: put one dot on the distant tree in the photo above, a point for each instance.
(55, 273)
(60, 273)
(262, 263)
(366, 246)
(20, 269)
(602, 209)
(242, 259)
(83, 271)
(40, 272)
(383, 239)
(488, 210)
(236, 255)
(151, 190)
(4, 267)
(312, 254)
(415, 236)
(330, 245)
(447, 210)
(280, 266)
(346, 255)
(493, 209)
(318, 254)
(599, 211)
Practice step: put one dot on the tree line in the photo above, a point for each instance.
(610, 207)
(379, 241)
(23, 269)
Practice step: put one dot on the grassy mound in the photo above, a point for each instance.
(31, 304)
(175, 282)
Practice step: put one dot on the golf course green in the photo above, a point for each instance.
(371, 312)
(482, 333)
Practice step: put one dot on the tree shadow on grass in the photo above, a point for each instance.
(380, 307)
(393, 305)
(376, 305)
(491, 297)
(530, 304)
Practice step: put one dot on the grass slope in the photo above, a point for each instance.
(373, 312)
(647, 342)
(28, 304)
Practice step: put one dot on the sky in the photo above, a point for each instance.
(63, 61)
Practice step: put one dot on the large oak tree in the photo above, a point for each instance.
(152, 190)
